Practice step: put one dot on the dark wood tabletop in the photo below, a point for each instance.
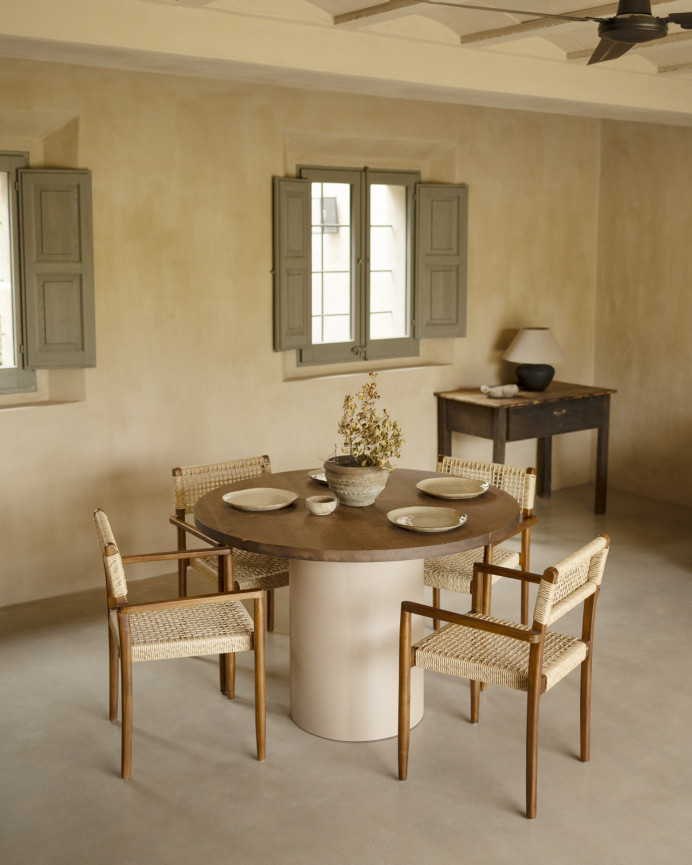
(352, 534)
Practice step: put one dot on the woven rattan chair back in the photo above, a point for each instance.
(570, 582)
(249, 570)
(454, 572)
(518, 482)
(116, 584)
(190, 483)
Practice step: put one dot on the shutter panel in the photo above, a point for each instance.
(57, 268)
(292, 263)
(441, 236)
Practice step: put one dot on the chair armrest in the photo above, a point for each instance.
(525, 524)
(178, 554)
(193, 530)
(182, 603)
(512, 573)
(517, 633)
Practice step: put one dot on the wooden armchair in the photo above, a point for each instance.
(179, 628)
(455, 572)
(530, 659)
(248, 570)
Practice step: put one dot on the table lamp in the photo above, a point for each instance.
(534, 349)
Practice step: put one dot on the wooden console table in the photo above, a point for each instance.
(560, 408)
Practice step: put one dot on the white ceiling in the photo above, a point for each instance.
(404, 48)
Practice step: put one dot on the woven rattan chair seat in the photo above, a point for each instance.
(250, 570)
(492, 658)
(185, 632)
(455, 572)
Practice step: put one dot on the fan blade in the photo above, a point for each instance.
(684, 19)
(609, 50)
(510, 11)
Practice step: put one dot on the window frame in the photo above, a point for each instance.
(362, 347)
(20, 378)
(438, 289)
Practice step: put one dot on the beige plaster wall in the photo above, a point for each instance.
(644, 306)
(182, 226)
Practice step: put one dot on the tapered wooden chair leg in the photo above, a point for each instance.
(182, 563)
(585, 710)
(223, 585)
(525, 603)
(405, 693)
(588, 622)
(260, 681)
(182, 578)
(486, 596)
(270, 609)
(436, 600)
(126, 676)
(223, 682)
(113, 671)
(532, 751)
(475, 688)
(229, 675)
(524, 561)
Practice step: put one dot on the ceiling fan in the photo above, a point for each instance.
(632, 23)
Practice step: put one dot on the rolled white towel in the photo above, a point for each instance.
(500, 390)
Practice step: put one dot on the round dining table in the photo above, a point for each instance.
(349, 572)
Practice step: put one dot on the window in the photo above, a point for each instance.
(13, 375)
(46, 271)
(365, 263)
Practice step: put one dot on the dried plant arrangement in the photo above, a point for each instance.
(370, 439)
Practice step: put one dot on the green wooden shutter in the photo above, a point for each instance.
(57, 268)
(292, 238)
(441, 236)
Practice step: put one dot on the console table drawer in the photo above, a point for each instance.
(536, 421)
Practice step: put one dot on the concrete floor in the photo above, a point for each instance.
(198, 795)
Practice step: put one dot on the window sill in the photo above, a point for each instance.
(37, 404)
(434, 353)
(53, 387)
(364, 368)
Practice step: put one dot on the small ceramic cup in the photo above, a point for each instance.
(321, 505)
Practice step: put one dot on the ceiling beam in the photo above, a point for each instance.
(538, 23)
(371, 11)
(676, 67)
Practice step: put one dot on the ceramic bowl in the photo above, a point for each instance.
(321, 505)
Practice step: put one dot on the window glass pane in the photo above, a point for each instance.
(7, 347)
(389, 262)
(317, 293)
(337, 328)
(332, 319)
(337, 294)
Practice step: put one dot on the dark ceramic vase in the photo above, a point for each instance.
(534, 376)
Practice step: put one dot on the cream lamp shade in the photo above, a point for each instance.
(534, 349)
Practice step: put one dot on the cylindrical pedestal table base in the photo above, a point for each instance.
(345, 646)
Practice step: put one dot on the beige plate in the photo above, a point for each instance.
(318, 475)
(453, 487)
(260, 499)
(427, 519)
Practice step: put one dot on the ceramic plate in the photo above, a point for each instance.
(453, 487)
(318, 475)
(260, 499)
(427, 519)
